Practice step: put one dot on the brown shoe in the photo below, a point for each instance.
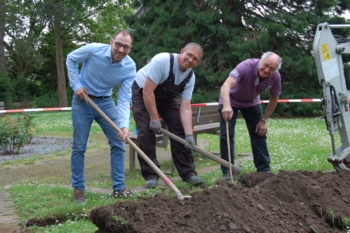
(79, 197)
(125, 193)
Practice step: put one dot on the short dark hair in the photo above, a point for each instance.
(124, 33)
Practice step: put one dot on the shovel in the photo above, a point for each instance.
(141, 153)
(235, 169)
(228, 150)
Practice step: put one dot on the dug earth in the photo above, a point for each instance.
(291, 201)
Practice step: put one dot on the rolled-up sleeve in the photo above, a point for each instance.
(124, 98)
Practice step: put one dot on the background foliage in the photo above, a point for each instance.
(229, 31)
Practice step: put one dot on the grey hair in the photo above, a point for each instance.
(269, 53)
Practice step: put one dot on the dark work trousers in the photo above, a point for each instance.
(169, 111)
(252, 116)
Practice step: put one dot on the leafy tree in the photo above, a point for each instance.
(41, 33)
(25, 23)
(233, 30)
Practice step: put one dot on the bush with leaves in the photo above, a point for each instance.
(15, 133)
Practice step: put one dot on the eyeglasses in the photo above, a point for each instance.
(119, 45)
(271, 68)
(190, 55)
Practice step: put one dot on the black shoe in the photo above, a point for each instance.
(235, 174)
(227, 176)
(267, 171)
(151, 183)
(194, 180)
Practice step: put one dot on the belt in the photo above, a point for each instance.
(99, 97)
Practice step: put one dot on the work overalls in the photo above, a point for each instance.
(169, 110)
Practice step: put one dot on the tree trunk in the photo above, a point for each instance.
(61, 78)
(2, 36)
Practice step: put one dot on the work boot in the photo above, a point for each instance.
(266, 171)
(151, 183)
(194, 180)
(79, 197)
(227, 176)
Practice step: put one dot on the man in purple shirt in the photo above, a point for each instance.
(241, 91)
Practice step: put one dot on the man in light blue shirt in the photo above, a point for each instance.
(103, 67)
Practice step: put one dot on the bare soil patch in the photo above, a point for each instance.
(291, 201)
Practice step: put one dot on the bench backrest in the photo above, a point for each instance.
(2, 106)
(205, 115)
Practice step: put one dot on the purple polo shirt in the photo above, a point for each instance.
(246, 92)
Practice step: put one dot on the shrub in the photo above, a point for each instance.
(14, 133)
(6, 90)
(47, 100)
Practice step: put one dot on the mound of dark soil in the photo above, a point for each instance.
(292, 201)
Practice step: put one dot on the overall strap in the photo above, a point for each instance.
(171, 77)
(187, 79)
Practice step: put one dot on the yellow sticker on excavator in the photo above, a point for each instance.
(325, 52)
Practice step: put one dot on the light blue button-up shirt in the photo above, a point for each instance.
(99, 76)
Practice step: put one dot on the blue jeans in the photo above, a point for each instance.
(83, 115)
(252, 116)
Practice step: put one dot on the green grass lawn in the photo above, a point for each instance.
(294, 144)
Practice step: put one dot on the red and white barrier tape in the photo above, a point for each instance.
(194, 105)
(266, 101)
(35, 110)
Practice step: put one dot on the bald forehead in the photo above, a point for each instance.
(195, 49)
(273, 57)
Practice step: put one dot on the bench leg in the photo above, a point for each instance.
(164, 142)
(195, 138)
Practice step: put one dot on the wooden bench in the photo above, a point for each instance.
(2, 106)
(206, 119)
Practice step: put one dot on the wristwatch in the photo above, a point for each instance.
(264, 120)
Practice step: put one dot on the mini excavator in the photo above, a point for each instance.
(327, 51)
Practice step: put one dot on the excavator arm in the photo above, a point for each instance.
(327, 51)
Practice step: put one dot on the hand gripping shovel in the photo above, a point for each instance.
(235, 169)
(141, 153)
